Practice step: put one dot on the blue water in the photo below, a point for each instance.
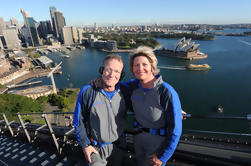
(228, 82)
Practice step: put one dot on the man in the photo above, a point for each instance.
(99, 117)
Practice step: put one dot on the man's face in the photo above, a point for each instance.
(112, 72)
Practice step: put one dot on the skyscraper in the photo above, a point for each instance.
(80, 34)
(74, 34)
(44, 29)
(30, 26)
(2, 25)
(25, 15)
(68, 37)
(11, 39)
(53, 20)
(58, 22)
(14, 22)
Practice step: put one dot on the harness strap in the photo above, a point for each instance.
(101, 144)
(161, 132)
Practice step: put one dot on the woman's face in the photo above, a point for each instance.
(142, 68)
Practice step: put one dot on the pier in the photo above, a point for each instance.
(24, 84)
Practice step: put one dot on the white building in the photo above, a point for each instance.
(91, 40)
(45, 61)
(74, 34)
(11, 39)
(2, 25)
(80, 34)
(14, 22)
(67, 34)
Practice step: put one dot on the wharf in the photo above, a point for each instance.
(3, 90)
(31, 74)
(24, 84)
(117, 50)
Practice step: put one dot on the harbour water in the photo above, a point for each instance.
(228, 83)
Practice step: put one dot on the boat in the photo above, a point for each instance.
(220, 109)
(198, 67)
(66, 56)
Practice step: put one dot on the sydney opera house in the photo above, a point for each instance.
(184, 49)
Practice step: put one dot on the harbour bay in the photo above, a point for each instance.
(227, 83)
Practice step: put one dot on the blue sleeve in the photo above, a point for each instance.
(171, 104)
(127, 89)
(127, 83)
(78, 120)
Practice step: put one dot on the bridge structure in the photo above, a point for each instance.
(26, 143)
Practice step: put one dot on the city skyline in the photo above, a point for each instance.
(82, 12)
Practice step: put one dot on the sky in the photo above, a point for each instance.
(132, 12)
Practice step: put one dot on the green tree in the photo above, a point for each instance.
(11, 104)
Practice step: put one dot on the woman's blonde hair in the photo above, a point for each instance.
(149, 54)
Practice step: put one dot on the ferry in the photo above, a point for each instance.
(66, 56)
(198, 67)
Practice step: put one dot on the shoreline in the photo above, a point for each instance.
(117, 50)
(30, 74)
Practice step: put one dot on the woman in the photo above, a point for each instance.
(157, 110)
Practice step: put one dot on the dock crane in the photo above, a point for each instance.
(52, 78)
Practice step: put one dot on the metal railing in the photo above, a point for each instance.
(219, 117)
(48, 125)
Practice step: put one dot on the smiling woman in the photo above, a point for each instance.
(157, 110)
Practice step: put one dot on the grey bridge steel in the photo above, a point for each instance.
(190, 150)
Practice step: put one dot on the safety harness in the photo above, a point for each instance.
(140, 129)
(87, 123)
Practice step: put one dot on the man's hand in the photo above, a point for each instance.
(88, 151)
(95, 82)
(154, 160)
(183, 113)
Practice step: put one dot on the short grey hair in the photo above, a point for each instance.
(112, 56)
(149, 54)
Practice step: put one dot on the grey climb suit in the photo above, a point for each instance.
(158, 108)
(101, 119)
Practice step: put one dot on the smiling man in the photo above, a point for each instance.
(99, 117)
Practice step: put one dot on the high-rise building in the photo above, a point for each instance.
(32, 25)
(14, 22)
(53, 20)
(68, 37)
(95, 26)
(58, 22)
(25, 15)
(80, 34)
(74, 34)
(91, 40)
(11, 39)
(26, 34)
(44, 29)
(2, 25)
